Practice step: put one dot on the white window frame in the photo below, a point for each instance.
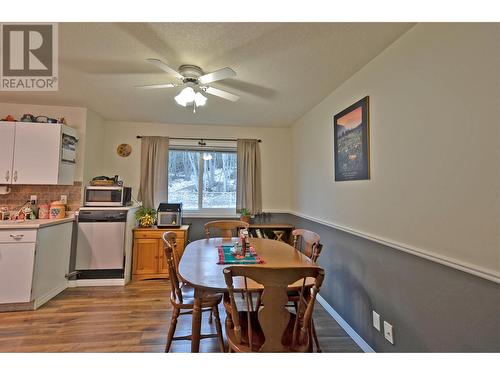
(205, 212)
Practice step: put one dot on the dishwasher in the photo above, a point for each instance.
(101, 240)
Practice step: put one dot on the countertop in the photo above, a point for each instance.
(33, 224)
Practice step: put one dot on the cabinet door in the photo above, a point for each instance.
(16, 272)
(36, 153)
(163, 266)
(162, 260)
(145, 256)
(7, 131)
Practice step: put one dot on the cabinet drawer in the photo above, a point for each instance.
(17, 235)
(157, 234)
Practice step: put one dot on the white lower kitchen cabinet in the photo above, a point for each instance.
(34, 263)
(16, 272)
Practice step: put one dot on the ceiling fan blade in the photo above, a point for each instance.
(160, 64)
(157, 86)
(217, 75)
(222, 94)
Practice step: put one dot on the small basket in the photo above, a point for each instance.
(102, 183)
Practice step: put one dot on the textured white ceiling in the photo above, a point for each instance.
(283, 69)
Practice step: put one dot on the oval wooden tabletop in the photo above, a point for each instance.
(198, 265)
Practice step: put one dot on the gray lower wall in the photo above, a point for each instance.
(433, 308)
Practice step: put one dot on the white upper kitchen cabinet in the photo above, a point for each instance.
(44, 154)
(7, 131)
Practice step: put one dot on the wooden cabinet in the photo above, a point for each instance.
(148, 256)
(38, 154)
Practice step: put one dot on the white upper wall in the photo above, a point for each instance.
(94, 147)
(275, 153)
(435, 147)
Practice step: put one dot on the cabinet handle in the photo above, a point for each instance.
(15, 175)
(7, 176)
(17, 236)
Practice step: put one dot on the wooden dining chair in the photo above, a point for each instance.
(307, 242)
(226, 228)
(273, 328)
(182, 297)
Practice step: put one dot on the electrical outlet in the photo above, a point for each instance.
(388, 333)
(33, 199)
(64, 199)
(376, 320)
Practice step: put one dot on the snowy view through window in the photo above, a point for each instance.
(215, 188)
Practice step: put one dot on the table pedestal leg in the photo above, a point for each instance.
(196, 324)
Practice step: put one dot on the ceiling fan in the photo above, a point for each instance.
(195, 82)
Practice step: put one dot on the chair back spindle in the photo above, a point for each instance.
(169, 247)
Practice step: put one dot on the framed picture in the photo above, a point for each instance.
(351, 129)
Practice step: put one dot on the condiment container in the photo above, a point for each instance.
(43, 211)
(57, 210)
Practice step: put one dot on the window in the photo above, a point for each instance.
(203, 180)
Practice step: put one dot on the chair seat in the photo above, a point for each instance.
(258, 335)
(209, 300)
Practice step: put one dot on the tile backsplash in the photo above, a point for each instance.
(19, 194)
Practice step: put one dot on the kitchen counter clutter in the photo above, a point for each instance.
(34, 261)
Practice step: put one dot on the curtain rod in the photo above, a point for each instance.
(203, 139)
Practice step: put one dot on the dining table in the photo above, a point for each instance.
(199, 268)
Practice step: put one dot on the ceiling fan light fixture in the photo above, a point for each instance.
(200, 99)
(195, 82)
(185, 97)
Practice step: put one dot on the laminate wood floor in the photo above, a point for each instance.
(134, 318)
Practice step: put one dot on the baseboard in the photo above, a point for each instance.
(17, 306)
(349, 330)
(96, 282)
(49, 295)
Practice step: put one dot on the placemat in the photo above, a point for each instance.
(225, 256)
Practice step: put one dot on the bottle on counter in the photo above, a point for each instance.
(245, 245)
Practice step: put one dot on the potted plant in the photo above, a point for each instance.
(245, 215)
(146, 217)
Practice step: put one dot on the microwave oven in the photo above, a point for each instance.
(169, 215)
(107, 196)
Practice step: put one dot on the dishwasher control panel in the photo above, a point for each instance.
(102, 215)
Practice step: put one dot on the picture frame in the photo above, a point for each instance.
(351, 130)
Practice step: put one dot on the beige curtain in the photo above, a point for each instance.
(154, 170)
(248, 183)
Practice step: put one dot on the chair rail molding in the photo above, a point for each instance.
(473, 269)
